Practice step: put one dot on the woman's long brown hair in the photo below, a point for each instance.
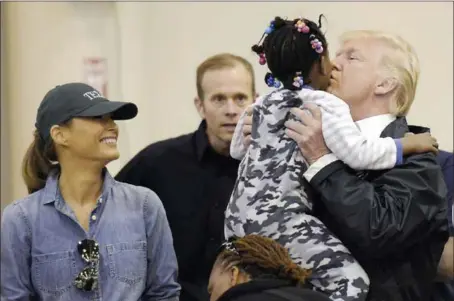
(37, 164)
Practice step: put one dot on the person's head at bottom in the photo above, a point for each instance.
(252, 265)
(375, 73)
(75, 130)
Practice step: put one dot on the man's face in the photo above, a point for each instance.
(227, 92)
(355, 73)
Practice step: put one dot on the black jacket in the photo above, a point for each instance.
(270, 290)
(393, 221)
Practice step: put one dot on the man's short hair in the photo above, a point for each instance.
(221, 61)
(400, 61)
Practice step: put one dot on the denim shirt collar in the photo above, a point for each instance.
(51, 192)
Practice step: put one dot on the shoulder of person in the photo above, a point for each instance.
(311, 92)
(322, 96)
(445, 159)
(397, 129)
(23, 207)
(154, 158)
(156, 149)
(138, 195)
(291, 293)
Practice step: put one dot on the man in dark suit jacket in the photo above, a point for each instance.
(393, 221)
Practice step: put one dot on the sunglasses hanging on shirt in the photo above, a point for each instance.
(87, 280)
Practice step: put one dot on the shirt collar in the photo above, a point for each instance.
(373, 126)
(204, 150)
(201, 140)
(51, 192)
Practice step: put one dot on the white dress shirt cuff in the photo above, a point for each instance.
(319, 165)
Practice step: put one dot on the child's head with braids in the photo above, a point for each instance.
(296, 53)
(252, 257)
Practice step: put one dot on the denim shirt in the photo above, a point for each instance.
(40, 233)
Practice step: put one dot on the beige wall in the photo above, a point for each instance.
(3, 121)
(153, 50)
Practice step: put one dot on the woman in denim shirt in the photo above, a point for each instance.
(79, 234)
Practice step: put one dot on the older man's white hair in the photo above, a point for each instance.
(400, 62)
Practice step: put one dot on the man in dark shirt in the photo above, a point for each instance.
(194, 174)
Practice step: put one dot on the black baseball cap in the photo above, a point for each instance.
(67, 101)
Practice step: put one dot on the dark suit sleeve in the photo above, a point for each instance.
(394, 210)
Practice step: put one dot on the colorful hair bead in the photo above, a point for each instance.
(272, 82)
(302, 27)
(317, 45)
(262, 59)
(270, 28)
(298, 80)
(314, 43)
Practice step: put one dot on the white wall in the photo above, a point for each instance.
(154, 48)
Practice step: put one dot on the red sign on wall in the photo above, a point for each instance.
(95, 74)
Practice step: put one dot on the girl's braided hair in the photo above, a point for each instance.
(289, 51)
(261, 257)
